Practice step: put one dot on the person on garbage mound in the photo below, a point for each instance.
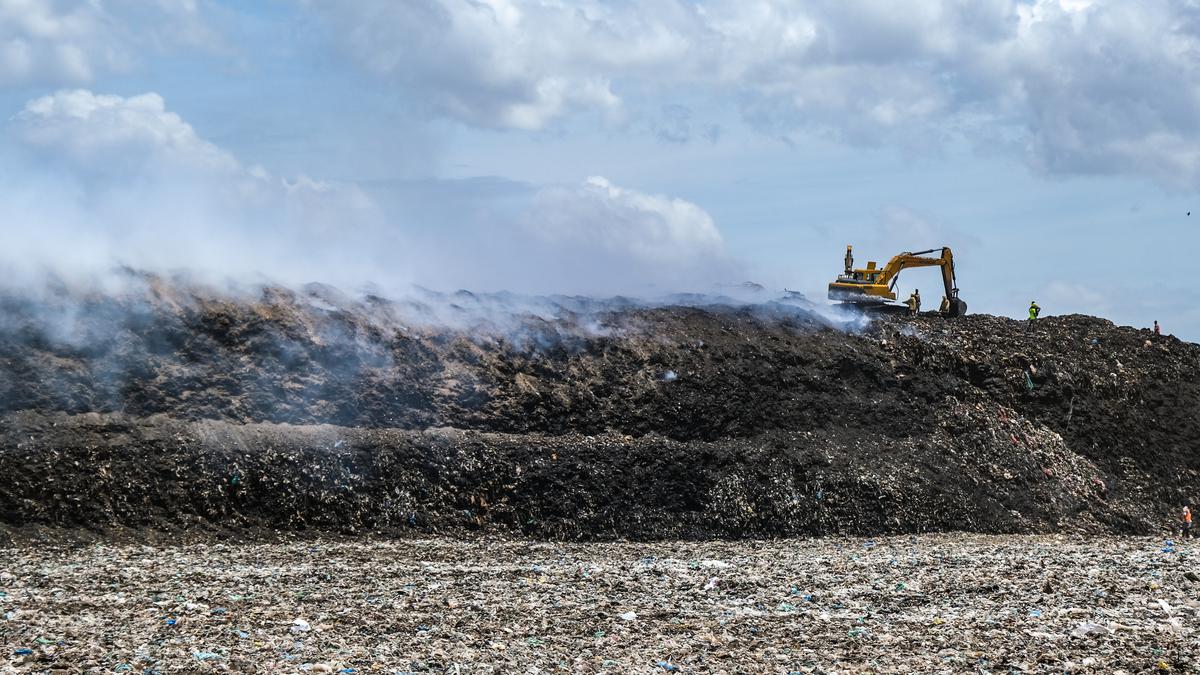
(1187, 523)
(914, 302)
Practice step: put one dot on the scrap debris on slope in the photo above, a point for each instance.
(598, 420)
(157, 476)
(1012, 604)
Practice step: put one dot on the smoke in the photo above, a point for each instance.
(140, 260)
(151, 344)
(100, 182)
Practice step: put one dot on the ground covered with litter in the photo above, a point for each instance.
(939, 603)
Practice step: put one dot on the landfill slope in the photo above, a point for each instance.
(173, 408)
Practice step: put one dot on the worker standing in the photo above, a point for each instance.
(1187, 523)
(1157, 330)
(1034, 311)
(914, 302)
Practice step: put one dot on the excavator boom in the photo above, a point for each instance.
(872, 285)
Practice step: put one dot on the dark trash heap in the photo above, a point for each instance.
(173, 409)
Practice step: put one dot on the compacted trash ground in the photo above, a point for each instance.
(932, 604)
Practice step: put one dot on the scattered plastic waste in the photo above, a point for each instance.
(519, 606)
(1087, 628)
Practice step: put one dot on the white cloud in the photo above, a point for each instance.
(604, 217)
(109, 180)
(600, 237)
(96, 130)
(1082, 87)
(72, 41)
(507, 63)
(126, 181)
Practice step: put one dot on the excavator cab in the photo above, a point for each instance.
(876, 286)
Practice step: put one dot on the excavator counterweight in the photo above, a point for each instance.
(877, 285)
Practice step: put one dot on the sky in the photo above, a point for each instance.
(611, 147)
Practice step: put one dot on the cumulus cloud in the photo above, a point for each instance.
(94, 130)
(72, 41)
(494, 63)
(1077, 86)
(109, 180)
(605, 236)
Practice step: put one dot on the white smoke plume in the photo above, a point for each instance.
(104, 181)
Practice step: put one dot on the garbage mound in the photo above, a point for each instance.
(173, 408)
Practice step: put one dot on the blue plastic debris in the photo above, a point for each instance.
(205, 656)
(23, 651)
(170, 621)
(667, 666)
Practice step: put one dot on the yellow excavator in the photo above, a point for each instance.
(877, 285)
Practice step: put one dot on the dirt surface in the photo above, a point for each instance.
(896, 605)
(168, 408)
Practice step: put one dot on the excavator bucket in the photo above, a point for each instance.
(956, 307)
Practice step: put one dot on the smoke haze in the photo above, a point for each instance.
(99, 182)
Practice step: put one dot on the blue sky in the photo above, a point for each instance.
(611, 147)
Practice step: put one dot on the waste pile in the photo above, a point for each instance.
(169, 407)
(905, 604)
